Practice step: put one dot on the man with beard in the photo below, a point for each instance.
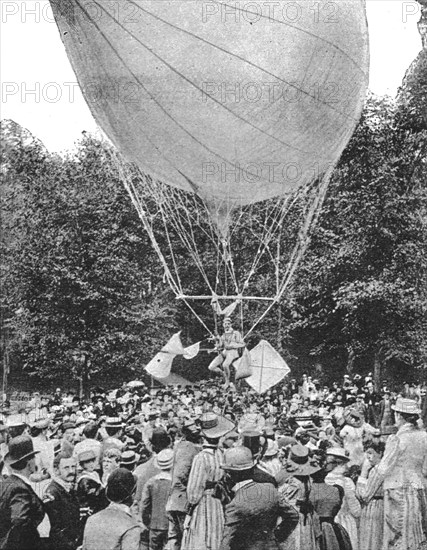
(21, 510)
(177, 506)
(62, 506)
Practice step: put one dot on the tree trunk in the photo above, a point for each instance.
(350, 361)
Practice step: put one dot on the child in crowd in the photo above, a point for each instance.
(154, 498)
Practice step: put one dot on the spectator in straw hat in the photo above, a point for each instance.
(115, 528)
(159, 441)
(114, 428)
(404, 470)
(21, 510)
(154, 498)
(129, 460)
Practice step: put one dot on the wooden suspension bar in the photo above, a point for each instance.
(185, 297)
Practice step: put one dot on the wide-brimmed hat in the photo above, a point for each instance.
(20, 448)
(272, 448)
(128, 458)
(121, 485)
(407, 406)
(338, 452)
(41, 424)
(299, 462)
(164, 460)
(215, 426)
(238, 459)
(86, 456)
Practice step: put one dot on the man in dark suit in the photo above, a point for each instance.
(21, 510)
(251, 518)
(62, 506)
(177, 506)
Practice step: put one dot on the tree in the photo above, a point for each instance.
(80, 270)
(361, 296)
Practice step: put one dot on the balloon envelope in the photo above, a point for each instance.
(237, 102)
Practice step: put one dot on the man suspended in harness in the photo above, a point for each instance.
(228, 346)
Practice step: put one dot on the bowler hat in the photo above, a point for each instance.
(20, 448)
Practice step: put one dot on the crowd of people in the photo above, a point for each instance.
(304, 466)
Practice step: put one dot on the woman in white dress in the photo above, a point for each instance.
(404, 471)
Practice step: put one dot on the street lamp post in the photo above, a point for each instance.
(80, 359)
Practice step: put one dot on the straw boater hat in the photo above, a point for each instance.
(407, 406)
(128, 458)
(114, 422)
(164, 460)
(20, 448)
(338, 452)
(215, 426)
(299, 462)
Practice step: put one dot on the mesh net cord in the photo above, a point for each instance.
(313, 212)
(173, 209)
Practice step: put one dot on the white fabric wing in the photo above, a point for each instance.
(191, 351)
(174, 346)
(161, 364)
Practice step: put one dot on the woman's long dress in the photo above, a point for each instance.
(207, 521)
(404, 470)
(350, 511)
(327, 501)
(371, 493)
(296, 491)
